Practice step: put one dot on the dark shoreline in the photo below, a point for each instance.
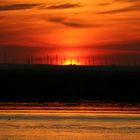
(44, 83)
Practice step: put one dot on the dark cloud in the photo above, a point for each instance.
(24, 6)
(77, 24)
(62, 6)
(17, 7)
(56, 19)
(121, 10)
(132, 1)
(70, 22)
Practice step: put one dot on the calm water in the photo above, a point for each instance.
(20, 125)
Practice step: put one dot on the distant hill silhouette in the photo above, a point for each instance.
(62, 83)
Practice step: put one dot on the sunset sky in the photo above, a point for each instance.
(108, 30)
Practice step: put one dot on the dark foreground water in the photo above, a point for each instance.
(59, 122)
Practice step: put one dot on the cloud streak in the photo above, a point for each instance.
(70, 22)
(132, 1)
(25, 6)
(104, 4)
(62, 6)
(17, 7)
(121, 10)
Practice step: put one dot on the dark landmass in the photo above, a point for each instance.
(69, 83)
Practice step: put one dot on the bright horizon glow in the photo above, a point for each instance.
(71, 62)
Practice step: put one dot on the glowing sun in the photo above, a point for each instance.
(71, 62)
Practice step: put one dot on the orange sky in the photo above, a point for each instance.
(107, 29)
